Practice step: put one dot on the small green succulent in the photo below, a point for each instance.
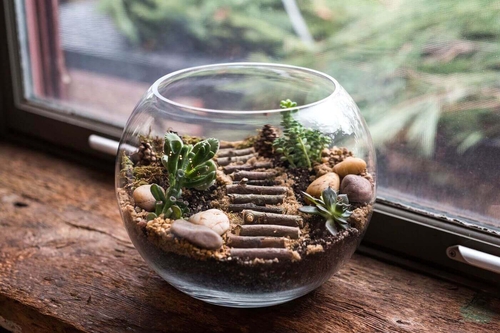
(188, 166)
(300, 146)
(333, 207)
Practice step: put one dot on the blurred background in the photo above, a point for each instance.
(425, 74)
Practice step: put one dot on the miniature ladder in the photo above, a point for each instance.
(255, 194)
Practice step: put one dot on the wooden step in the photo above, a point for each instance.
(257, 199)
(223, 161)
(255, 241)
(251, 206)
(245, 167)
(226, 152)
(256, 217)
(263, 253)
(255, 189)
(253, 175)
(272, 230)
(259, 182)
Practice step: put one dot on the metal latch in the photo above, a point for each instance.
(474, 258)
(103, 145)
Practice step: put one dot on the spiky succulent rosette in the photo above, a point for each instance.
(332, 206)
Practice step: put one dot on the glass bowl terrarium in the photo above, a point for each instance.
(246, 184)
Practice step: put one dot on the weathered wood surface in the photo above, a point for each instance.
(66, 265)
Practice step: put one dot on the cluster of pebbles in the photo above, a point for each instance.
(254, 215)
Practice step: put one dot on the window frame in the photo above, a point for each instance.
(26, 121)
(395, 231)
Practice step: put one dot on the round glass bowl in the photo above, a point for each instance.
(246, 184)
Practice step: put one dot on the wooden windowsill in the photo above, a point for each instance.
(66, 264)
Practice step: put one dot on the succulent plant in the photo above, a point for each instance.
(299, 146)
(188, 166)
(332, 206)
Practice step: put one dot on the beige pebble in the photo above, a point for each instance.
(317, 187)
(350, 166)
(358, 218)
(213, 218)
(199, 235)
(144, 198)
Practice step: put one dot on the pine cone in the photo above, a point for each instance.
(146, 154)
(264, 143)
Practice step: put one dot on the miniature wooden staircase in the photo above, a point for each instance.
(255, 194)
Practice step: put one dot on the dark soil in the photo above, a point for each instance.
(302, 179)
(270, 277)
(199, 200)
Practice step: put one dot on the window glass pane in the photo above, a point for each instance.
(425, 74)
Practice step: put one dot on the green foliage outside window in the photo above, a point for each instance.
(413, 66)
(225, 27)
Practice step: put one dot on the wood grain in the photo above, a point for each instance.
(66, 265)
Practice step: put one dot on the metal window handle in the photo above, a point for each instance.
(474, 258)
(103, 145)
(108, 146)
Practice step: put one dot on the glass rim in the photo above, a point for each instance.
(162, 79)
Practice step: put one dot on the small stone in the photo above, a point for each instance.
(317, 187)
(359, 218)
(213, 218)
(357, 188)
(199, 235)
(144, 198)
(311, 249)
(322, 169)
(350, 166)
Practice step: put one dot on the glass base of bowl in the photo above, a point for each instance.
(236, 300)
(241, 300)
